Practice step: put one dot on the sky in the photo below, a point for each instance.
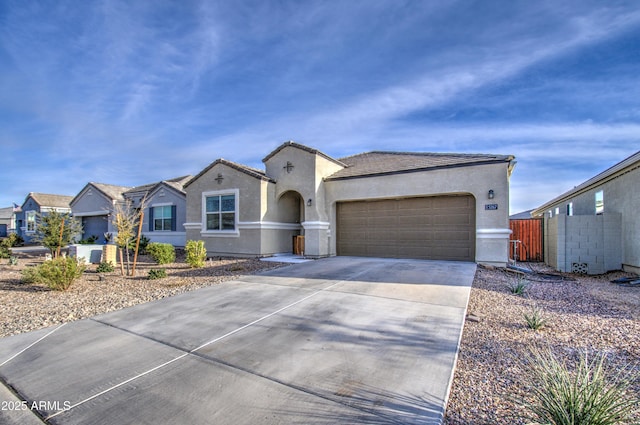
(130, 92)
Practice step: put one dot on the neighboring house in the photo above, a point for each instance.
(6, 217)
(594, 228)
(39, 203)
(378, 204)
(94, 206)
(164, 215)
(165, 209)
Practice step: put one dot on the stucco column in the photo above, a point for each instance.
(316, 239)
(492, 246)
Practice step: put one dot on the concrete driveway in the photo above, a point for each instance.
(338, 340)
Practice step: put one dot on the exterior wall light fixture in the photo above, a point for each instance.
(491, 194)
(309, 202)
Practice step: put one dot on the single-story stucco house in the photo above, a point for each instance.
(594, 227)
(39, 203)
(94, 205)
(379, 204)
(164, 215)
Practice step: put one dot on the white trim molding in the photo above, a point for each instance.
(192, 226)
(91, 213)
(269, 225)
(493, 233)
(316, 225)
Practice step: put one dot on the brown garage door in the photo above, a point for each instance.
(434, 228)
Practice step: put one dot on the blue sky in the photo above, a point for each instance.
(130, 92)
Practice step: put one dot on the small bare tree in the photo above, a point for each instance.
(128, 223)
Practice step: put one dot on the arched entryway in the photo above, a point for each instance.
(291, 211)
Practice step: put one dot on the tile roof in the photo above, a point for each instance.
(50, 200)
(112, 191)
(301, 147)
(253, 172)
(381, 163)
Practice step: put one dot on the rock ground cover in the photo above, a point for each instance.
(583, 314)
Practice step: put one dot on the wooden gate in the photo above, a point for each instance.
(529, 234)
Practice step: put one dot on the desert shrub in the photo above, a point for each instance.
(105, 267)
(90, 240)
(585, 395)
(13, 261)
(5, 252)
(30, 275)
(196, 253)
(144, 243)
(519, 286)
(535, 318)
(162, 253)
(157, 274)
(57, 274)
(12, 240)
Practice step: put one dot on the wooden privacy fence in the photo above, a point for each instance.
(529, 234)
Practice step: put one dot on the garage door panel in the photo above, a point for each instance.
(427, 228)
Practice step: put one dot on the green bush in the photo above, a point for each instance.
(162, 253)
(90, 240)
(12, 240)
(13, 261)
(57, 274)
(196, 253)
(5, 252)
(157, 274)
(144, 243)
(584, 395)
(105, 267)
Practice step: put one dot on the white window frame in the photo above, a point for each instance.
(222, 233)
(599, 203)
(570, 209)
(30, 218)
(163, 218)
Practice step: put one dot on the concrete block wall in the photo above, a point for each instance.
(586, 243)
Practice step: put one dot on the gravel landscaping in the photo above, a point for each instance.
(584, 314)
(27, 307)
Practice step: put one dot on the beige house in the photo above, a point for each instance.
(594, 227)
(377, 204)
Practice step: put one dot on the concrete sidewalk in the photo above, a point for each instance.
(339, 340)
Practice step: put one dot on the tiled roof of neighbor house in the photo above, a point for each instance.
(49, 200)
(301, 147)
(521, 215)
(380, 163)
(6, 212)
(253, 172)
(178, 183)
(112, 191)
(627, 164)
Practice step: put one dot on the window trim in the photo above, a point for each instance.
(32, 214)
(171, 217)
(228, 233)
(599, 209)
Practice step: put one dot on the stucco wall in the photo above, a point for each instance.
(251, 208)
(166, 196)
(621, 195)
(92, 203)
(491, 225)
